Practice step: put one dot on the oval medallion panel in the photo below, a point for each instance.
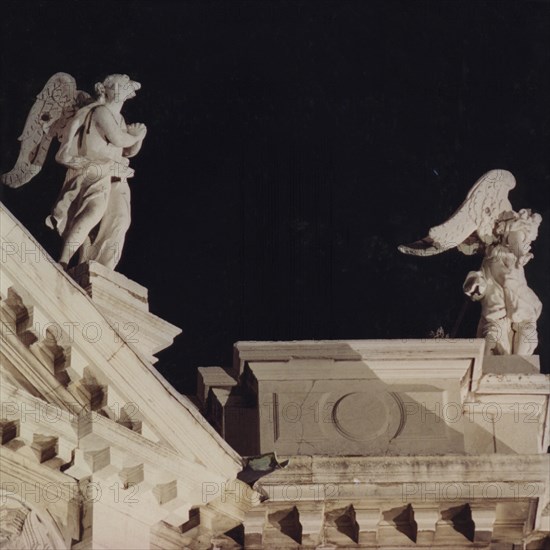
(368, 415)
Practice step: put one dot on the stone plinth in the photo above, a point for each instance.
(125, 305)
(373, 398)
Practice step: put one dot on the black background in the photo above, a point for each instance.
(291, 147)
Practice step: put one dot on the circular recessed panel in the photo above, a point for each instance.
(361, 416)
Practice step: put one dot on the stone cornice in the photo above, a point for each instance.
(129, 373)
(383, 356)
(319, 469)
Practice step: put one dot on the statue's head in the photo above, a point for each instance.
(517, 230)
(116, 88)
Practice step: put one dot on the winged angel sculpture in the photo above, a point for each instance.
(92, 212)
(485, 223)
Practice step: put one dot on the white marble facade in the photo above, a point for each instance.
(362, 444)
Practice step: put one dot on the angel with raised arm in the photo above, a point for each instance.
(485, 223)
(92, 212)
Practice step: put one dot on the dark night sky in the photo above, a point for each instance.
(292, 146)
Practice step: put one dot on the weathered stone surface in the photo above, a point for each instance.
(125, 305)
(109, 450)
(463, 461)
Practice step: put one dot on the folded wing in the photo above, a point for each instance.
(53, 107)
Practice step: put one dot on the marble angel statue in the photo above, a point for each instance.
(92, 212)
(485, 223)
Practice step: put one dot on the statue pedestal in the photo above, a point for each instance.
(125, 305)
(379, 398)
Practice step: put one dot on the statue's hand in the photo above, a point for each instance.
(125, 170)
(137, 129)
(475, 285)
(522, 260)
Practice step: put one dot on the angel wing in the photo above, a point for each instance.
(53, 108)
(472, 224)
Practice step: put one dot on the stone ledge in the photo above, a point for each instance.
(125, 304)
(91, 275)
(508, 364)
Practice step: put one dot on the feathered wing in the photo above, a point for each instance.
(53, 107)
(474, 220)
